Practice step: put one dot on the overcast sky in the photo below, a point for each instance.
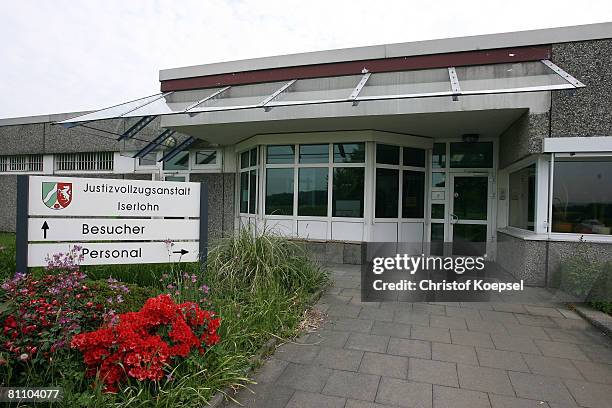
(67, 55)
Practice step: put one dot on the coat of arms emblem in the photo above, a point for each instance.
(56, 195)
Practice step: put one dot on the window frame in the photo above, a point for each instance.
(401, 167)
(247, 170)
(512, 171)
(34, 163)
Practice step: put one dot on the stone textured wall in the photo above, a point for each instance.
(522, 138)
(586, 111)
(220, 202)
(522, 259)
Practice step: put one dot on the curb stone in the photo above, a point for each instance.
(268, 348)
(598, 319)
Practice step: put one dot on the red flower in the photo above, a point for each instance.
(143, 343)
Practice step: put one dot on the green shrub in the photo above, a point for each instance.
(7, 255)
(132, 300)
(253, 261)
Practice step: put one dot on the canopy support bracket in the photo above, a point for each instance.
(454, 81)
(137, 127)
(184, 145)
(158, 141)
(279, 91)
(358, 88)
(208, 98)
(570, 79)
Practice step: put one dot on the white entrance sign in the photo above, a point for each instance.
(49, 229)
(71, 196)
(106, 253)
(113, 221)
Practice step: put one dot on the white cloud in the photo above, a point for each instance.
(63, 55)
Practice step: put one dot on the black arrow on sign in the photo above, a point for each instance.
(45, 227)
(182, 252)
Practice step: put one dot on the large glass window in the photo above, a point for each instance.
(248, 182)
(280, 154)
(312, 191)
(471, 155)
(387, 193)
(387, 154)
(348, 192)
(522, 198)
(279, 191)
(413, 194)
(582, 196)
(204, 157)
(314, 153)
(438, 159)
(414, 157)
(349, 153)
(178, 162)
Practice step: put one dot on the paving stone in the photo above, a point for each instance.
(297, 353)
(501, 401)
(339, 359)
(597, 353)
(462, 312)
(531, 320)
(363, 404)
(500, 317)
(331, 299)
(350, 292)
(433, 372)
(595, 372)
(350, 311)
(408, 317)
(399, 305)
(591, 395)
(347, 282)
(403, 393)
(486, 326)
(372, 313)
(353, 325)
(409, 348)
(562, 350)
(571, 324)
(505, 360)
(309, 400)
(553, 367)
(571, 336)
(470, 338)
(329, 338)
(453, 353)
(543, 311)
(515, 343)
(509, 307)
(448, 322)
(391, 329)
(429, 308)
(356, 300)
(367, 342)
(446, 397)
(270, 370)
(477, 305)
(384, 365)
(265, 395)
(354, 385)
(484, 379)
(310, 378)
(569, 314)
(539, 387)
(430, 333)
(533, 332)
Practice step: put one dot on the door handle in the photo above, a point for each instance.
(454, 219)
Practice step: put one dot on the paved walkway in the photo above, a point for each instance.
(499, 355)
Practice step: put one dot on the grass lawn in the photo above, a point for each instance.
(259, 287)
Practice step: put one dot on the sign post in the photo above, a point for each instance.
(113, 221)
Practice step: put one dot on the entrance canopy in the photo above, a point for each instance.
(519, 77)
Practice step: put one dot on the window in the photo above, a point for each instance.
(279, 191)
(413, 198)
(348, 192)
(205, 157)
(98, 161)
(178, 162)
(439, 156)
(387, 154)
(314, 153)
(521, 186)
(438, 179)
(387, 193)
(312, 193)
(21, 163)
(150, 159)
(248, 182)
(437, 211)
(414, 157)
(471, 155)
(582, 196)
(349, 153)
(280, 154)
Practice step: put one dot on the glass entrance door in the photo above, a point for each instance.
(468, 227)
